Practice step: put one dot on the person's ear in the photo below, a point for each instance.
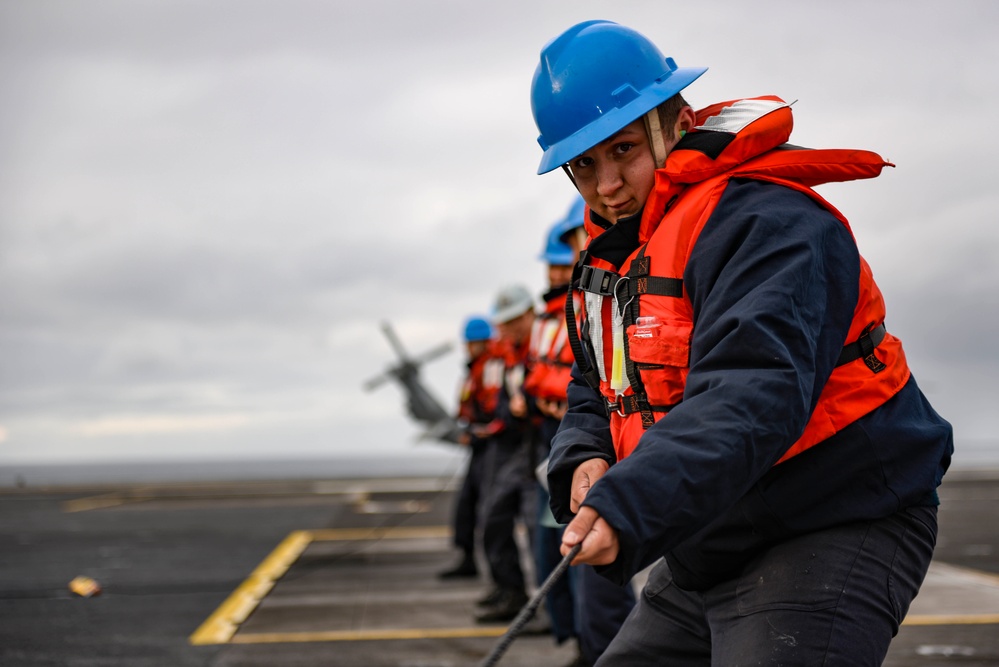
(685, 121)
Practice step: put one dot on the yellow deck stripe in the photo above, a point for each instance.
(95, 502)
(952, 619)
(400, 533)
(221, 625)
(471, 633)
(366, 635)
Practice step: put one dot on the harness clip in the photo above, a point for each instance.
(597, 281)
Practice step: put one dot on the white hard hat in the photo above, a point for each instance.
(511, 302)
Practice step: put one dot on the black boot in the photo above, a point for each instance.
(465, 569)
(491, 597)
(508, 605)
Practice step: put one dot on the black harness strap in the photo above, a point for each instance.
(658, 286)
(588, 370)
(630, 404)
(605, 283)
(863, 348)
(638, 283)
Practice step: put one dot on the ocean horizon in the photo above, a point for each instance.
(970, 456)
(151, 471)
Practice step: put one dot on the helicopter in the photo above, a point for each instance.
(421, 404)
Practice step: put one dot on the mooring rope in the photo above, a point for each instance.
(529, 609)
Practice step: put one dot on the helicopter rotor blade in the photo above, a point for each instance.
(433, 353)
(394, 341)
(375, 382)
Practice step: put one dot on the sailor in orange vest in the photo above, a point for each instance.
(582, 605)
(477, 403)
(740, 414)
(510, 486)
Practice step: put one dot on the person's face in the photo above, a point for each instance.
(559, 275)
(476, 348)
(518, 329)
(616, 176)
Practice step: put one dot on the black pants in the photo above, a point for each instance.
(601, 608)
(469, 499)
(832, 598)
(510, 495)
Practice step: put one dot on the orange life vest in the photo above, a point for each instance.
(517, 360)
(640, 318)
(550, 354)
(480, 391)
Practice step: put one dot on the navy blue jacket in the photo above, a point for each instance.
(773, 280)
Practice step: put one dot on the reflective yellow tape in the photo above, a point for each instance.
(366, 635)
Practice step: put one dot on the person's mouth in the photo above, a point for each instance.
(620, 208)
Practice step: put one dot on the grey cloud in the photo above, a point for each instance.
(207, 209)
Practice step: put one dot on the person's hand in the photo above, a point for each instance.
(483, 431)
(586, 475)
(552, 409)
(600, 542)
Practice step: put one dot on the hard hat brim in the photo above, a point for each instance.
(558, 258)
(510, 313)
(615, 119)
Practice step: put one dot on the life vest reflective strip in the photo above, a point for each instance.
(551, 358)
(584, 339)
(657, 365)
(492, 375)
(549, 337)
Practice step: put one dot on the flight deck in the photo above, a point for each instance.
(343, 572)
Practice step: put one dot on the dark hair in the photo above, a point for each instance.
(669, 111)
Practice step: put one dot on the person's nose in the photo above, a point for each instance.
(608, 178)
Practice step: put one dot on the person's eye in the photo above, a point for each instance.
(582, 162)
(623, 147)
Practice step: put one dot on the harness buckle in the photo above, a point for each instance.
(597, 281)
(616, 405)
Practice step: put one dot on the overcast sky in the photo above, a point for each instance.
(206, 208)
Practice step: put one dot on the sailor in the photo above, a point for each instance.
(510, 495)
(741, 414)
(477, 403)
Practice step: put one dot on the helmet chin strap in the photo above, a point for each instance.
(655, 131)
(568, 172)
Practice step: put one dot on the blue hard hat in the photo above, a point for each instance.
(556, 251)
(594, 79)
(573, 219)
(477, 328)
